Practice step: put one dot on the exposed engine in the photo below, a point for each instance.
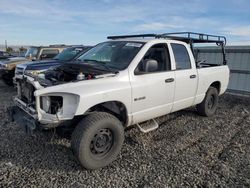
(71, 72)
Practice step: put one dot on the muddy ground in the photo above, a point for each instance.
(186, 150)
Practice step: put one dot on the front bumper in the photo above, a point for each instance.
(23, 119)
(35, 107)
(27, 116)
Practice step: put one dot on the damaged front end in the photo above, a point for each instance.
(46, 100)
(43, 110)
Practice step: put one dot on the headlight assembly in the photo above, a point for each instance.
(51, 104)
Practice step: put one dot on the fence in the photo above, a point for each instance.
(238, 60)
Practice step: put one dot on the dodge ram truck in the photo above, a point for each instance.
(128, 80)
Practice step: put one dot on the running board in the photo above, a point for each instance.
(148, 126)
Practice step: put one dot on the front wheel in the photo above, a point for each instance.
(97, 140)
(210, 103)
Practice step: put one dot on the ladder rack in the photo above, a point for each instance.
(189, 37)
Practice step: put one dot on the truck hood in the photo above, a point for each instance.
(75, 71)
(42, 65)
(14, 60)
(85, 87)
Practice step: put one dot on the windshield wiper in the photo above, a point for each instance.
(103, 64)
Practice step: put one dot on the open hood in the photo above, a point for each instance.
(72, 72)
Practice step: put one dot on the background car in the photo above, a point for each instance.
(38, 67)
(7, 67)
(5, 55)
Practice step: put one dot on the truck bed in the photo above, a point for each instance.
(208, 75)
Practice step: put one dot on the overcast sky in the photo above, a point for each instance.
(41, 22)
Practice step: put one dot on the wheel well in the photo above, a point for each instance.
(216, 85)
(115, 108)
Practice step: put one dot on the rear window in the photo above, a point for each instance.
(52, 51)
(181, 56)
(49, 53)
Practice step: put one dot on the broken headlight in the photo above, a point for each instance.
(51, 104)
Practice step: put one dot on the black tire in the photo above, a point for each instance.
(209, 104)
(97, 140)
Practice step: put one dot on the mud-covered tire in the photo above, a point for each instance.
(209, 104)
(97, 140)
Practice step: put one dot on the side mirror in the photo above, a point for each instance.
(150, 65)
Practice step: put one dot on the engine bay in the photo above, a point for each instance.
(71, 72)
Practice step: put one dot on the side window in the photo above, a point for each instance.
(160, 55)
(49, 53)
(181, 56)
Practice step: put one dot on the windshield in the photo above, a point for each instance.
(32, 52)
(68, 54)
(113, 54)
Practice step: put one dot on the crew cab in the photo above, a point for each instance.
(7, 66)
(39, 67)
(128, 80)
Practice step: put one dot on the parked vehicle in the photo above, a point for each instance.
(4, 55)
(39, 67)
(7, 67)
(122, 82)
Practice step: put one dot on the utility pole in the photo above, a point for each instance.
(6, 45)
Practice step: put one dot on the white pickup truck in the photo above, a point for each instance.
(125, 81)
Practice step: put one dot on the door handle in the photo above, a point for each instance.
(192, 76)
(169, 80)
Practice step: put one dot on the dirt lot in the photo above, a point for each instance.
(187, 150)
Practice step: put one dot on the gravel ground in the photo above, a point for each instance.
(186, 150)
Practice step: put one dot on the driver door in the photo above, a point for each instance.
(153, 92)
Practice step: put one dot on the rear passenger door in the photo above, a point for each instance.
(153, 92)
(185, 76)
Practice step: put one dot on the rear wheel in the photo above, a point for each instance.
(97, 140)
(210, 103)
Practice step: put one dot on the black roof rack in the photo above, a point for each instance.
(195, 37)
(132, 36)
(188, 37)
